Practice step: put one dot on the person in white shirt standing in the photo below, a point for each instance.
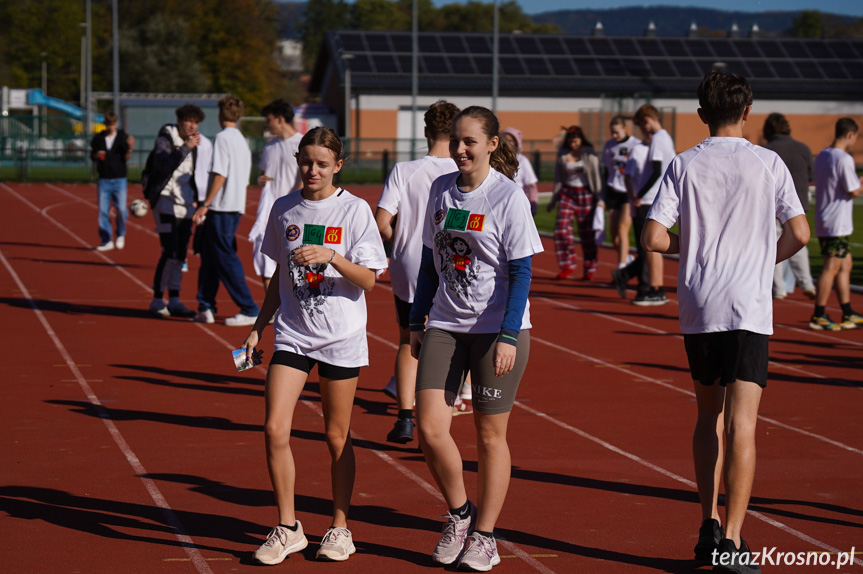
(328, 252)
(525, 177)
(220, 215)
(478, 242)
(647, 267)
(725, 194)
(279, 176)
(406, 195)
(615, 154)
(836, 186)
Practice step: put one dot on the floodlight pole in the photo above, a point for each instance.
(44, 111)
(88, 89)
(414, 77)
(346, 58)
(116, 50)
(494, 60)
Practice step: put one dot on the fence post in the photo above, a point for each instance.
(22, 164)
(537, 163)
(385, 163)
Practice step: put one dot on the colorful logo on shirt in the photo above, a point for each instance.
(438, 216)
(313, 234)
(314, 279)
(310, 284)
(475, 222)
(333, 235)
(292, 232)
(456, 219)
(458, 265)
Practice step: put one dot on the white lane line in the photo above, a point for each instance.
(152, 489)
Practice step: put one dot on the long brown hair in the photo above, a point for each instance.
(323, 137)
(505, 158)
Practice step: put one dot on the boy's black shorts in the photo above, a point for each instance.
(728, 356)
(403, 311)
(305, 364)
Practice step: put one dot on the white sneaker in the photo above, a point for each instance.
(280, 542)
(205, 316)
(455, 532)
(480, 554)
(121, 242)
(337, 545)
(157, 308)
(240, 320)
(106, 246)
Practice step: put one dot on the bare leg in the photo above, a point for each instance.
(741, 415)
(434, 417)
(405, 371)
(284, 385)
(843, 280)
(654, 265)
(337, 401)
(494, 468)
(707, 445)
(832, 267)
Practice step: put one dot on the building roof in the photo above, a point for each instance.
(569, 66)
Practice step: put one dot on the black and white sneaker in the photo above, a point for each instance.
(709, 536)
(652, 298)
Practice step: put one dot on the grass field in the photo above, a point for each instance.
(545, 222)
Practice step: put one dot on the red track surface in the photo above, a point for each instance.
(131, 444)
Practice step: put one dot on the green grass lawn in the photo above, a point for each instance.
(545, 222)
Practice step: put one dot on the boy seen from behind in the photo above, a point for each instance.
(725, 194)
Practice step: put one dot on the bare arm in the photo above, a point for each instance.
(656, 237)
(215, 186)
(857, 191)
(795, 234)
(384, 219)
(362, 277)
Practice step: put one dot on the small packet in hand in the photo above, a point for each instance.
(242, 363)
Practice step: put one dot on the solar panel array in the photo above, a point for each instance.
(383, 59)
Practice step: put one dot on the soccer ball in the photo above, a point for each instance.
(139, 208)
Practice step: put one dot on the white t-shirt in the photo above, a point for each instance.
(232, 159)
(661, 150)
(322, 314)
(636, 164)
(726, 194)
(202, 166)
(474, 236)
(835, 176)
(614, 157)
(525, 176)
(406, 194)
(278, 162)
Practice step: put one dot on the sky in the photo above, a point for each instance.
(847, 7)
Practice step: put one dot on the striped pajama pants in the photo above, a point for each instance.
(578, 203)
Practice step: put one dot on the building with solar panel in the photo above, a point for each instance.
(548, 81)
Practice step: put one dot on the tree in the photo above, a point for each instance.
(810, 24)
(320, 16)
(153, 61)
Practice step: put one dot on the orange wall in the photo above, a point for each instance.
(815, 130)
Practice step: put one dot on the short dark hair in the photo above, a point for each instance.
(438, 119)
(845, 126)
(775, 123)
(110, 118)
(617, 121)
(723, 97)
(189, 112)
(279, 109)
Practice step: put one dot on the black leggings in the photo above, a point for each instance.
(174, 243)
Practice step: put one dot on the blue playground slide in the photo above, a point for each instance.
(35, 97)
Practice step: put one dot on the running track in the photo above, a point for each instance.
(131, 444)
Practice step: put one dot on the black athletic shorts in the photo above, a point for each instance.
(305, 364)
(616, 200)
(728, 356)
(403, 311)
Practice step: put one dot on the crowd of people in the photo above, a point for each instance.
(461, 224)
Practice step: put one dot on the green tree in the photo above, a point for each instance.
(320, 16)
(153, 61)
(810, 24)
(380, 15)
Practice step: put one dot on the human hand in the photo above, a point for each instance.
(250, 343)
(553, 203)
(101, 155)
(200, 214)
(193, 140)
(313, 254)
(504, 359)
(263, 179)
(130, 141)
(416, 343)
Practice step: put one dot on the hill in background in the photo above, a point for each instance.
(673, 21)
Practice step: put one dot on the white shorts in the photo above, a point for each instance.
(264, 266)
